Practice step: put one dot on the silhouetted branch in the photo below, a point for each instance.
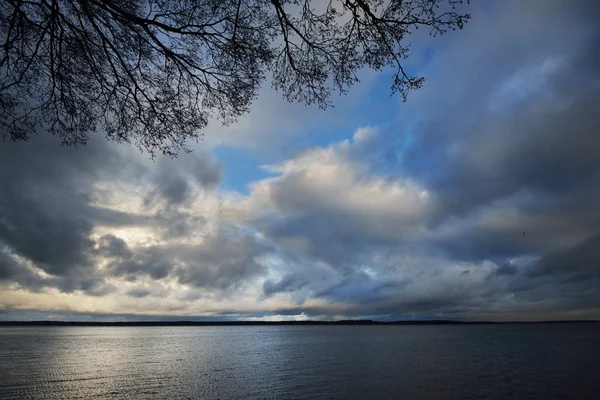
(153, 72)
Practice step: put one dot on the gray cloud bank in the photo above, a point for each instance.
(482, 201)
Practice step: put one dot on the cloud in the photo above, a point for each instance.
(224, 261)
(55, 200)
(139, 292)
(578, 263)
(505, 171)
(112, 246)
(479, 201)
(176, 179)
(149, 261)
(326, 204)
(289, 283)
(46, 210)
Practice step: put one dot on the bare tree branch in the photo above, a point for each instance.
(153, 72)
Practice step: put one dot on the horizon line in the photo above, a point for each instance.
(288, 322)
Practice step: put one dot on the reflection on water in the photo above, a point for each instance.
(304, 362)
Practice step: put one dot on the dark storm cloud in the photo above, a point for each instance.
(545, 171)
(92, 286)
(578, 263)
(112, 246)
(175, 223)
(139, 292)
(150, 261)
(48, 213)
(547, 151)
(47, 217)
(562, 280)
(14, 271)
(56, 251)
(77, 279)
(175, 183)
(224, 262)
(514, 163)
(177, 178)
(289, 283)
(506, 269)
(541, 135)
(360, 288)
(175, 190)
(8, 267)
(45, 213)
(337, 238)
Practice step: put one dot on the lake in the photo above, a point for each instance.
(520, 361)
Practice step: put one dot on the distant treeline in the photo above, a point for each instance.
(245, 323)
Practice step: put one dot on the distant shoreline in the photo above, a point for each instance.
(252, 323)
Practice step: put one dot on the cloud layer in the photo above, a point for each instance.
(480, 201)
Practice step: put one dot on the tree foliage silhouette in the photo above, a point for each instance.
(153, 72)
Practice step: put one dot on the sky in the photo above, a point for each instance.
(477, 199)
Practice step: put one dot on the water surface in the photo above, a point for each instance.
(543, 361)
